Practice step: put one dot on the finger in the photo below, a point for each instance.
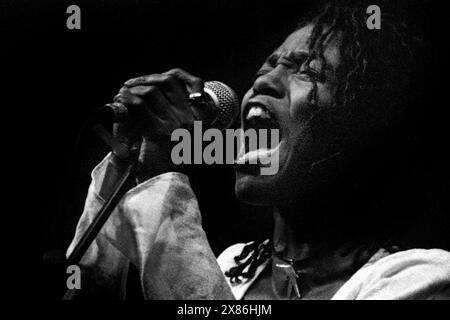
(124, 88)
(139, 109)
(143, 97)
(141, 80)
(170, 111)
(128, 99)
(164, 127)
(166, 80)
(156, 108)
(155, 99)
(194, 84)
(173, 88)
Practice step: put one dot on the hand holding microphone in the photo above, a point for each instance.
(145, 112)
(149, 108)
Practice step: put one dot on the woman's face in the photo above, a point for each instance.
(291, 90)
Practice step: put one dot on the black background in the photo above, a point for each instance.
(59, 76)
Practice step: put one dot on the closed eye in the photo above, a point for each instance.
(312, 75)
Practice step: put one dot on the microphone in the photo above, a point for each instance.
(217, 106)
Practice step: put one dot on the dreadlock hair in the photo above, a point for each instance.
(252, 256)
(376, 66)
(375, 69)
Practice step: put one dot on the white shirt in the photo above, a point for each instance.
(157, 227)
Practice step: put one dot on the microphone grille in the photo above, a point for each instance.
(226, 100)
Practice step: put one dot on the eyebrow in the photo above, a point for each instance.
(295, 56)
(299, 57)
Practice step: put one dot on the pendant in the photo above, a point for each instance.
(292, 277)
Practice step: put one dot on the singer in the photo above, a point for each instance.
(338, 93)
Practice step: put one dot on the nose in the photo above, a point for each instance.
(270, 83)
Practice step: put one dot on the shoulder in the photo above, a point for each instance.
(409, 274)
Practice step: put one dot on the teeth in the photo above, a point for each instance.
(257, 111)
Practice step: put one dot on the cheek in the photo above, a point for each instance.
(301, 96)
(307, 97)
(326, 94)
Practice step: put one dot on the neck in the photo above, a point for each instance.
(299, 239)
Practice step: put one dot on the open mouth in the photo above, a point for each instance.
(258, 116)
(265, 124)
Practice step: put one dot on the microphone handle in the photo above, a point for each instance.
(100, 219)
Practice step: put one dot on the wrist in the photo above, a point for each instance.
(120, 163)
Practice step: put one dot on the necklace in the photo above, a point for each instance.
(287, 267)
(294, 271)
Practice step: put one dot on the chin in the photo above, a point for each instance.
(292, 182)
(256, 189)
(253, 190)
(274, 190)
